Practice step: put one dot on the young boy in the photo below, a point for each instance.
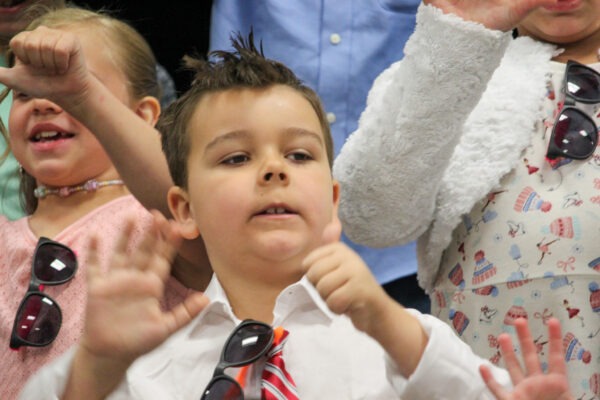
(249, 149)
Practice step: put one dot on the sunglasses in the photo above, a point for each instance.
(39, 318)
(249, 341)
(575, 134)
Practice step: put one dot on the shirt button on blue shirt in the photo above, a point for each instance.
(335, 38)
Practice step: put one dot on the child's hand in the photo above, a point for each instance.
(124, 318)
(346, 284)
(49, 64)
(344, 281)
(501, 15)
(532, 384)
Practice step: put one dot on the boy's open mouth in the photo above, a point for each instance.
(277, 210)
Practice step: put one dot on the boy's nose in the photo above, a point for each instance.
(274, 170)
(271, 175)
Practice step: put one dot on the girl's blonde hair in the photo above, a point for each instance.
(129, 52)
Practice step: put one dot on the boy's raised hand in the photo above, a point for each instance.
(348, 287)
(49, 63)
(531, 383)
(343, 279)
(501, 15)
(124, 318)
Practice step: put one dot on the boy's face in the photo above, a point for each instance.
(259, 187)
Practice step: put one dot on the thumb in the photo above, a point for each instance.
(7, 77)
(332, 232)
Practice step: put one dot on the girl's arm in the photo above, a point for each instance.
(50, 64)
(391, 167)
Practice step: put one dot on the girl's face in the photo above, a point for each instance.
(50, 144)
(570, 22)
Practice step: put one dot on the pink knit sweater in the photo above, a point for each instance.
(17, 244)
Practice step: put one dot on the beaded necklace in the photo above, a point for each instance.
(90, 186)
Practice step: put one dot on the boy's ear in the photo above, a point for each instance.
(181, 210)
(148, 108)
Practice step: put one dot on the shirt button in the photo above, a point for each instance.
(335, 38)
(330, 117)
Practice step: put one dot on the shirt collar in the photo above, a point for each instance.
(298, 297)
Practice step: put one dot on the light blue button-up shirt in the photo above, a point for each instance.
(337, 47)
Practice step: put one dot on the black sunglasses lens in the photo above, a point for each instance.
(247, 343)
(223, 389)
(38, 320)
(54, 263)
(583, 84)
(575, 134)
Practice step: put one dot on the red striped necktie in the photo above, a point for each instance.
(277, 384)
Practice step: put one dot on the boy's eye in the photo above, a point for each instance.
(236, 159)
(299, 156)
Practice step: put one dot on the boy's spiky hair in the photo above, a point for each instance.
(243, 67)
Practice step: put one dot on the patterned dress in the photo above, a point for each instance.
(530, 249)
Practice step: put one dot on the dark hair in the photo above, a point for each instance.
(243, 67)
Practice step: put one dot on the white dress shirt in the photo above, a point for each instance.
(326, 356)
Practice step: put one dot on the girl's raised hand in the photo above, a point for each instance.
(531, 383)
(501, 15)
(49, 63)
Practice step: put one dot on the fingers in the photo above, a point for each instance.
(119, 257)
(497, 390)
(144, 253)
(556, 359)
(93, 261)
(46, 49)
(155, 252)
(169, 233)
(319, 264)
(183, 313)
(159, 257)
(331, 235)
(511, 361)
(123, 239)
(528, 348)
(317, 254)
(324, 270)
(331, 282)
(341, 277)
